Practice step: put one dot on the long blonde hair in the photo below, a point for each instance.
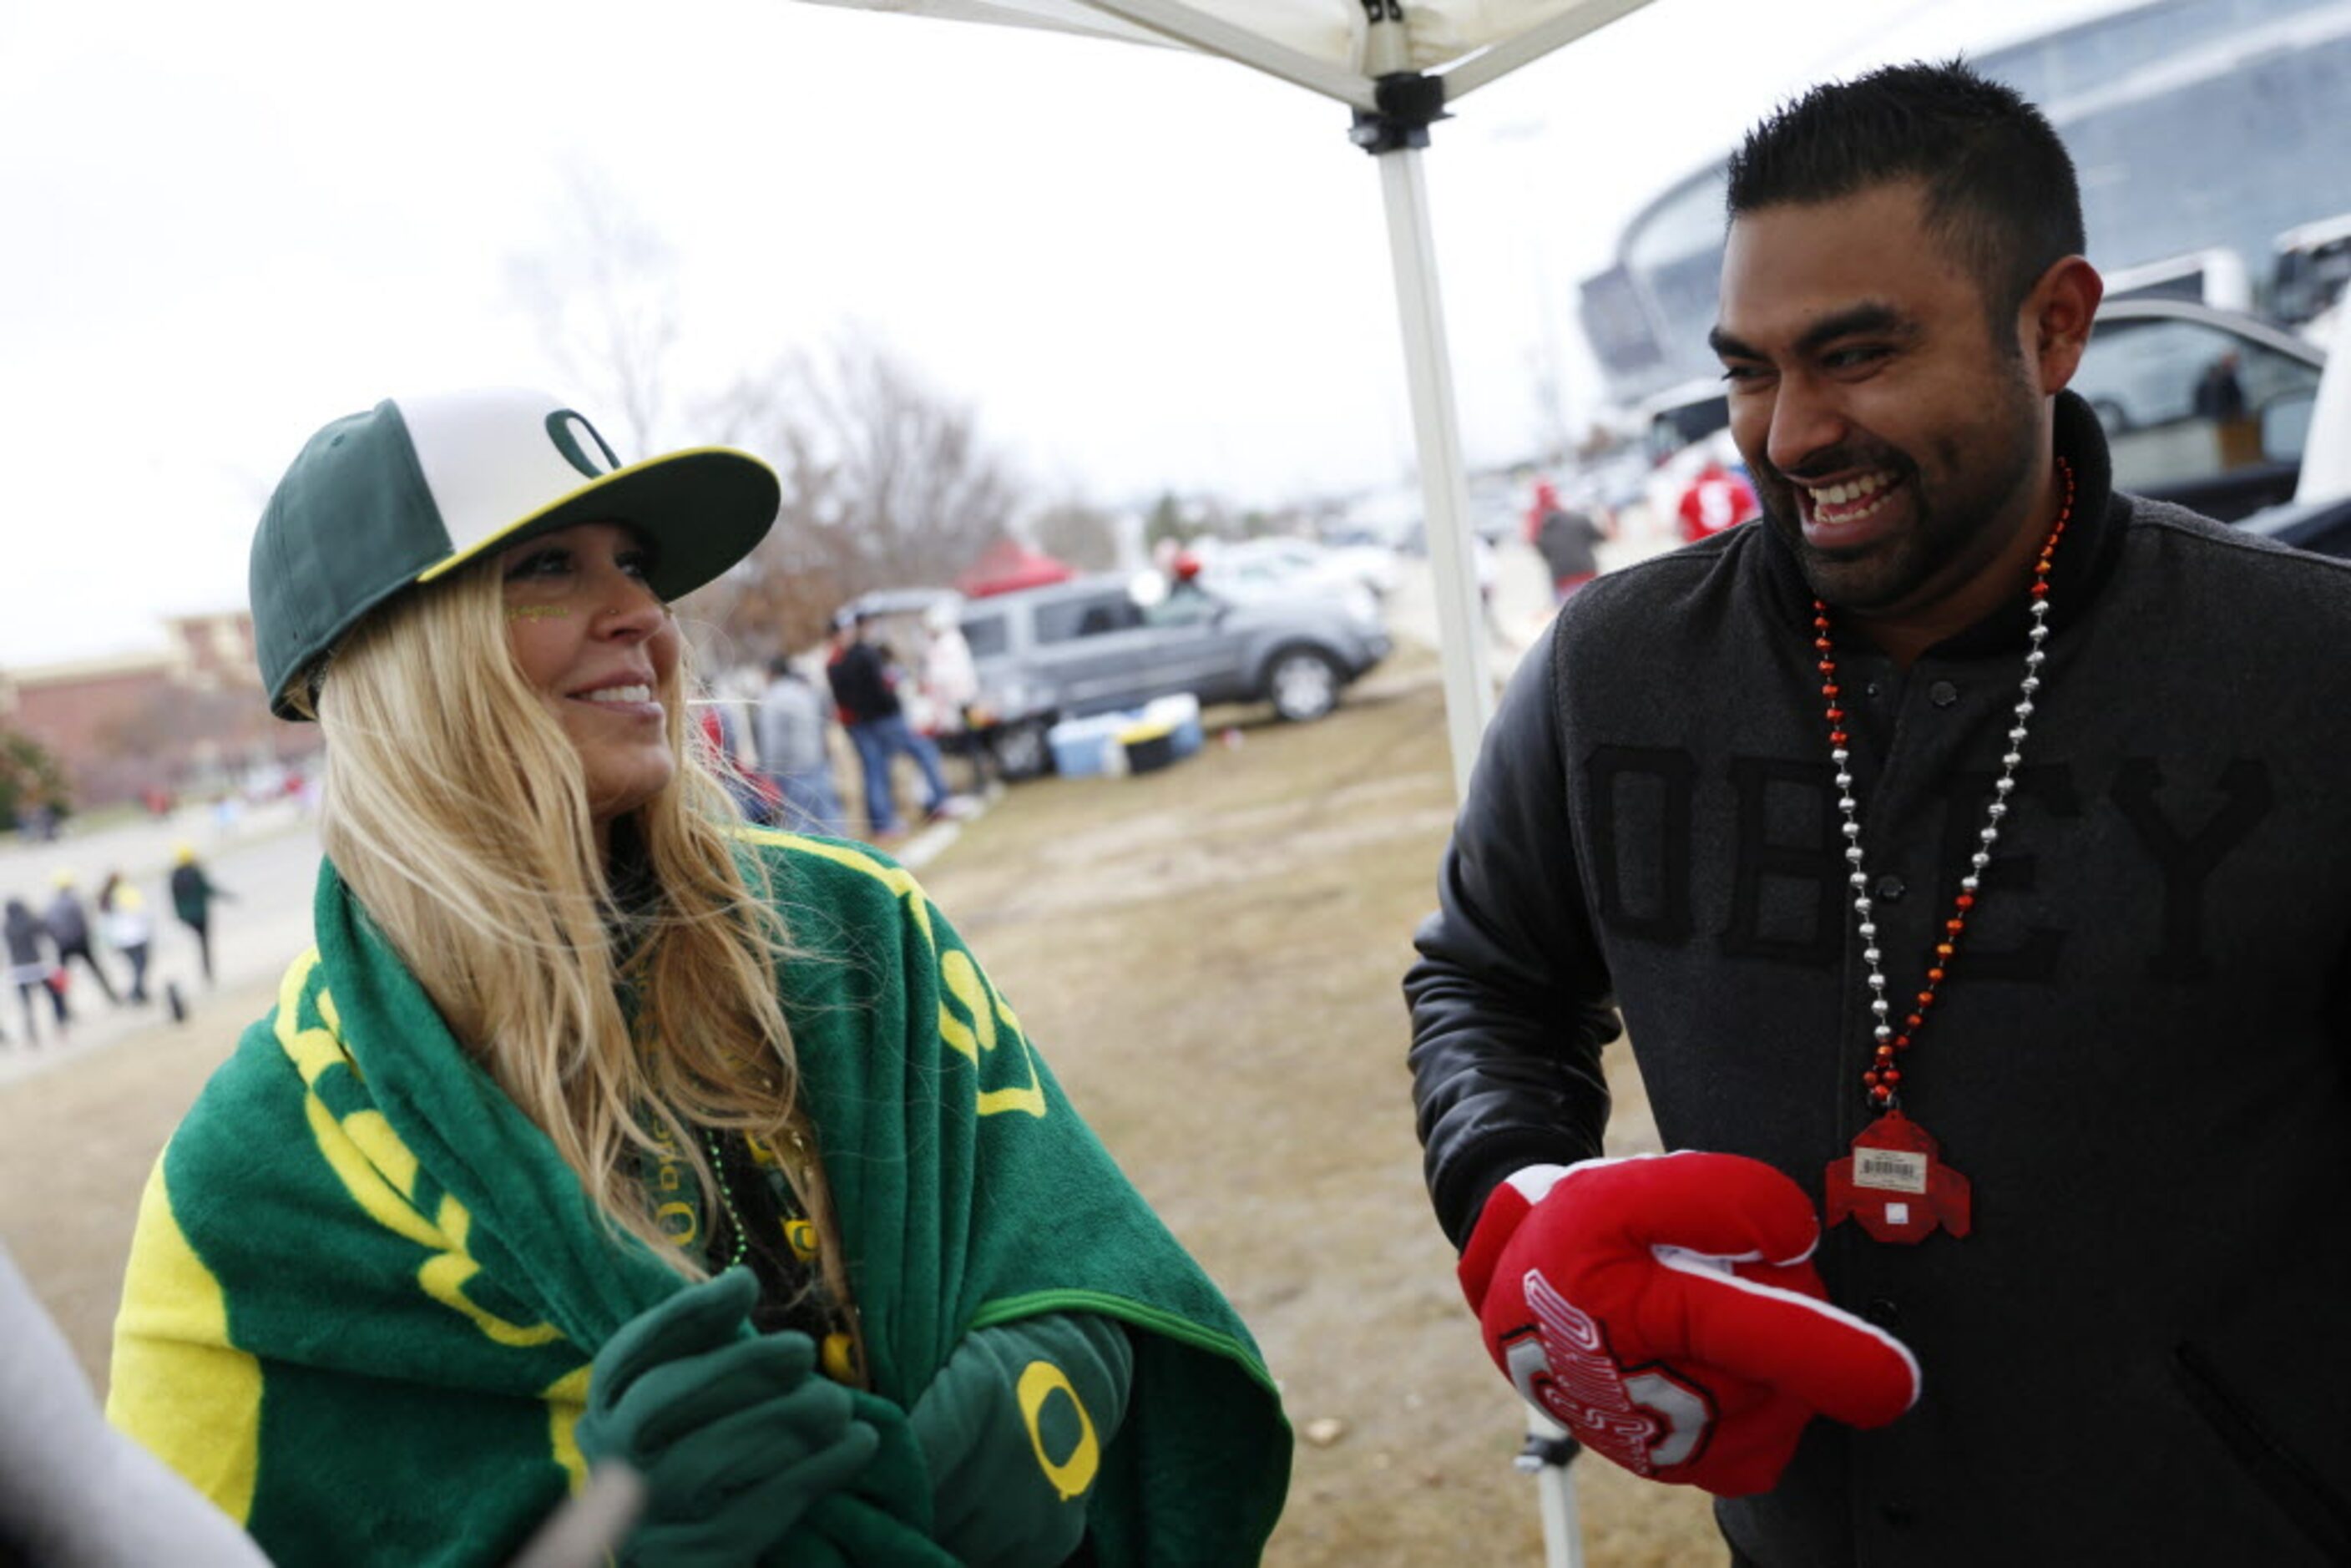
(456, 809)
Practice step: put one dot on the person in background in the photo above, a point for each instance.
(1184, 569)
(2221, 400)
(68, 923)
(1963, 851)
(1567, 539)
(2220, 394)
(952, 685)
(193, 896)
(753, 796)
(31, 969)
(1718, 499)
(595, 1126)
(866, 690)
(124, 922)
(795, 752)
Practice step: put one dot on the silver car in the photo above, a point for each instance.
(1095, 644)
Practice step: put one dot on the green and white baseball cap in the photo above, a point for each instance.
(418, 486)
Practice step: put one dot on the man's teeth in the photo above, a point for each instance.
(618, 694)
(1852, 490)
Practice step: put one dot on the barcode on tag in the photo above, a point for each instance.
(1889, 1170)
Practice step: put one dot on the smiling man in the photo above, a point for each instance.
(1967, 853)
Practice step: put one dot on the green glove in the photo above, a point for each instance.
(1013, 1429)
(734, 1436)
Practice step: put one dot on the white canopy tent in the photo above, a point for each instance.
(1399, 65)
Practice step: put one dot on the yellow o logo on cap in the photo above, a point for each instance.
(1073, 1474)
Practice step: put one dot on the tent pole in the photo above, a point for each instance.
(1394, 136)
(1549, 1455)
(1437, 433)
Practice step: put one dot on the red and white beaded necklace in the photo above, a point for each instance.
(1892, 1182)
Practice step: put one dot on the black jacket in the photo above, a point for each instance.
(24, 933)
(2144, 1350)
(859, 679)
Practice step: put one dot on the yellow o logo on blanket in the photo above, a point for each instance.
(1072, 1476)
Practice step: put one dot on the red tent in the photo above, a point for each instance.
(1008, 565)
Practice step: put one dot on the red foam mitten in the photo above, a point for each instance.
(1664, 1310)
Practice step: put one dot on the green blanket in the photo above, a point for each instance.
(365, 1292)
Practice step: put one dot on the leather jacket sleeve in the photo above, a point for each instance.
(1510, 998)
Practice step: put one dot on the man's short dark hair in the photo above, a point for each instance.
(779, 665)
(1999, 184)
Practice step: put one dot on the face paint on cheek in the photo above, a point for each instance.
(539, 612)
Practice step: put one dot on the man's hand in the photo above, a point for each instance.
(1664, 1310)
(733, 1436)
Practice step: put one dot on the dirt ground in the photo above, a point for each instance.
(1210, 956)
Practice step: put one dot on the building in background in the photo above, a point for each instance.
(185, 718)
(2208, 136)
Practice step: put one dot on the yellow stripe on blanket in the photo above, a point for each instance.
(375, 1168)
(180, 1387)
(379, 1171)
(896, 878)
(961, 979)
(444, 1279)
(566, 1400)
(313, 1050)
(958, 975)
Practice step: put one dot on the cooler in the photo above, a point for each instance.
(1148, 746)
(1089, 748)
(1181, 715)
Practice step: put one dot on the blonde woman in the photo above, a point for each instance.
(599, 1128)
(122, 917)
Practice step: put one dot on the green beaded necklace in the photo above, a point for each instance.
(727, 1200)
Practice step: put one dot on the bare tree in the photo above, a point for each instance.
(1075, 530)
(887, 483)
(604, 295)
(894, 468)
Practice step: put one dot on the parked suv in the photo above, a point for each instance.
(1100, 643)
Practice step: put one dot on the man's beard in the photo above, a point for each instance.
(1948, 518)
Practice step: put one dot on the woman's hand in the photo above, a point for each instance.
(1013, 1429)
(734, 1438)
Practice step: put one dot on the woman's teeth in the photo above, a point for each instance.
(618, 694)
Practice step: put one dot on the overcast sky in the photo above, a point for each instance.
(228, 224)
